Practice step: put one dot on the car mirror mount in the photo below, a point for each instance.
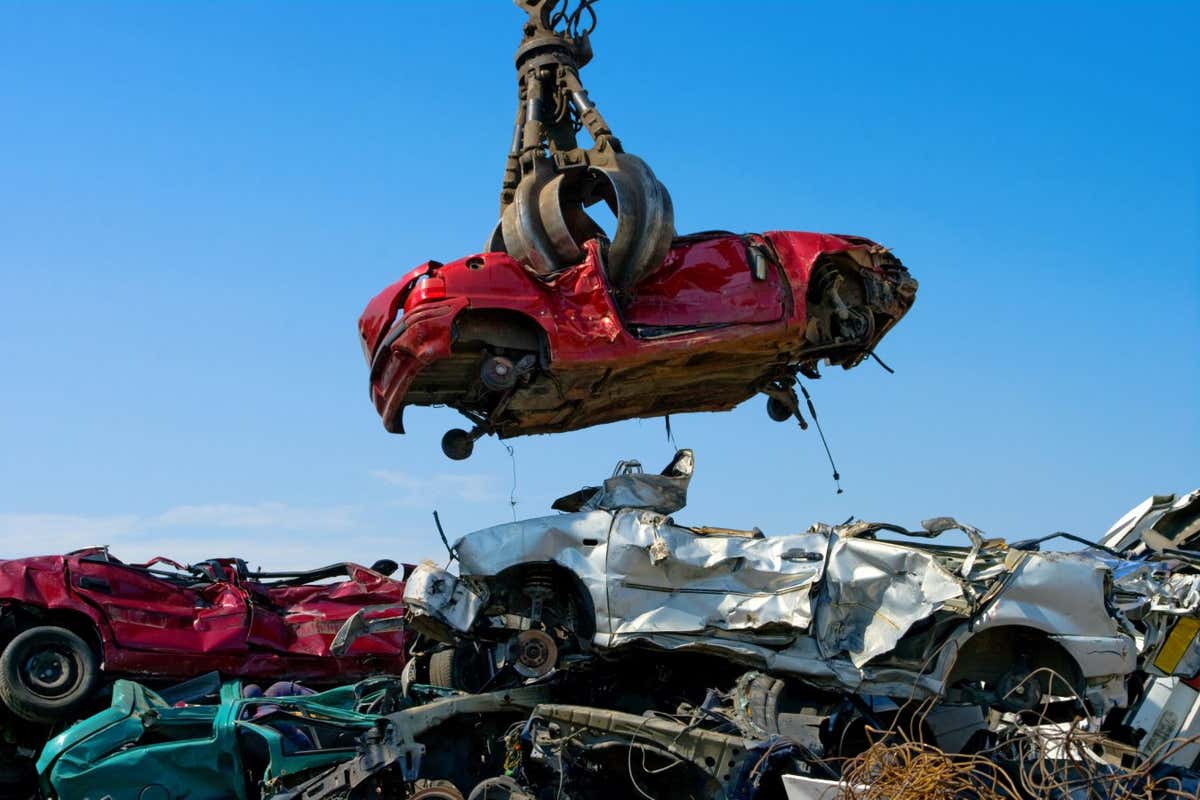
(385, 566)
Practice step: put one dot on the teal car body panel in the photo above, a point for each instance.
(141, 747)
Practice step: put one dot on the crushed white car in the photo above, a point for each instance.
(1157, 574)
(838, 606)
(1153, 552)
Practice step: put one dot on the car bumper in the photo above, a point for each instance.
(421, 337)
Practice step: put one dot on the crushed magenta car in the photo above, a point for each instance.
(67, 621)
(724, 317)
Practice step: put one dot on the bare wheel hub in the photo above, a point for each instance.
(536, 653)
(498, 373)
(49, 672)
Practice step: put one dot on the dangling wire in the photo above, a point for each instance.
(879, 361)
(512, 493)
(670, 435)
(813, 410)
(442, 533)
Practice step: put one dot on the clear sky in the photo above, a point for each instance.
(197, 199)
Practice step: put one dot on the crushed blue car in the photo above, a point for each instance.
(207, 740)
(211, 740)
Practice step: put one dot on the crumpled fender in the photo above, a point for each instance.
(43, 582)
(433, 592)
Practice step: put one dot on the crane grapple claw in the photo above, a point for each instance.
(550, 180)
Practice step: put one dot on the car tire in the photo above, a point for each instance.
(457, 444)
(778, 410)
(441, 668)
(461, 667)
(425, 789)
(47, 674)
(499, 788)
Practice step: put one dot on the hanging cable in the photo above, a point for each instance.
(445, 541)
(879, 361)
(512, 493)
(813, 410)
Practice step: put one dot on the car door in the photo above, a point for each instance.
(144, 612)
(666, 579)
(706, 282)
(148, 612)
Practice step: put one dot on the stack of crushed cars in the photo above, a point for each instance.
(71, 624)
(608, 651)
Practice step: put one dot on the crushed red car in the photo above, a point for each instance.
(65, 620)
(724, 317)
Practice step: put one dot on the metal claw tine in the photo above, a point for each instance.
(549, 178)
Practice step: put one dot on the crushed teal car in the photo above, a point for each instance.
(147, 746)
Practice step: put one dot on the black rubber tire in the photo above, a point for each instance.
(457, 444)
(499, 788)
(441, 668)
(38, 704)
(426, 789)
(777, 410)
(460, 667)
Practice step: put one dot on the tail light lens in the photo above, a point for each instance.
(427, 287)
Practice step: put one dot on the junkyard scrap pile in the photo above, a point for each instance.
(607, 651)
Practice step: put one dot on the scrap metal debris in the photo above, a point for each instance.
(1055, 761)
(609, 652)
(1022, 690)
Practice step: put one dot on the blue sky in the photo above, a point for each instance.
(197, 199)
